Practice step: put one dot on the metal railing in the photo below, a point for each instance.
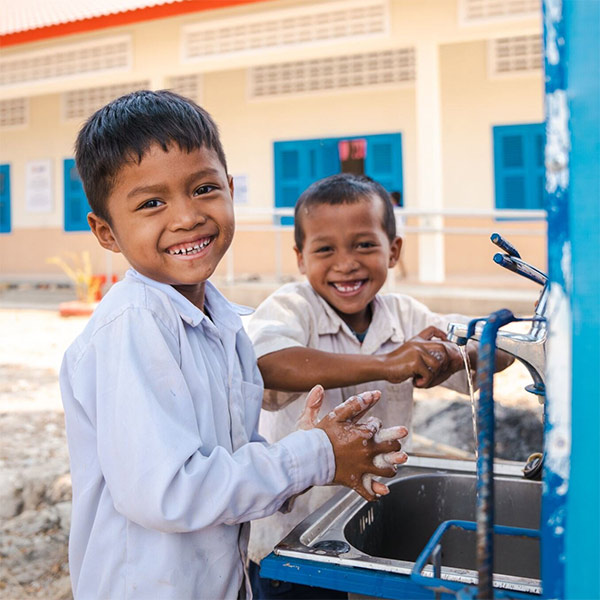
(429, 222)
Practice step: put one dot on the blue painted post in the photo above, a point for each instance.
(570, 522)
(582, 537)
(557, 434)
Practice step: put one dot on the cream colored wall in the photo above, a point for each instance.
(471, 103)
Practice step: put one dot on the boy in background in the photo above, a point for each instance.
(336, 329)
(161, 390)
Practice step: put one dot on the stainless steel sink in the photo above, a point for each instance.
(389, 534)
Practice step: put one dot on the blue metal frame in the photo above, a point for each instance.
(437, 583)
(371, 583)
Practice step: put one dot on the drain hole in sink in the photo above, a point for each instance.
(331, 547)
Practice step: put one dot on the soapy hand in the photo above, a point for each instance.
(428, 358)
(357, 451)
(393, 459)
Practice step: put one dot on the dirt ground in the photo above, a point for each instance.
(35, 490)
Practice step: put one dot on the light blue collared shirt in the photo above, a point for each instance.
(161, 406)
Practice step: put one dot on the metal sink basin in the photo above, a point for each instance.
(389, 534)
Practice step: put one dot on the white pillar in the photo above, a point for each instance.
(429, 160)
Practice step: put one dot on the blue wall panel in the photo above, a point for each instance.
(76, 206)
(5, 221)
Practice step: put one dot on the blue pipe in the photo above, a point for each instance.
(485, 440)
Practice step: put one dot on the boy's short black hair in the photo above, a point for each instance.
(343, 188)
(122, 132)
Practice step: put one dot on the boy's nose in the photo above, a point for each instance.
(346, 263)
(187, 214)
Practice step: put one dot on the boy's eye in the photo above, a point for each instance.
(366, 245)
(153, 203)
(322, 249)
(204, 189)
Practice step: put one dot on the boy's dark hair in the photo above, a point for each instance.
(122, 132)
(344, 188)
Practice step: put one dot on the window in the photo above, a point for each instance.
(302, 162)
(519, 172)
(76, 204)
(4, 198)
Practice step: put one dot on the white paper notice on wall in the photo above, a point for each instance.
(240, 189)
(38, 186)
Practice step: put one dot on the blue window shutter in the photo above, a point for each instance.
(302, 162)
(384, 160)
(5, 225)
(329, 159)
(519, 166)
(76, 204)
(287, 176)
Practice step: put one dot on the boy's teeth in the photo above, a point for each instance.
(191, 249)
(348, 287)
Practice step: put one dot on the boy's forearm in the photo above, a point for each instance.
(299, 369)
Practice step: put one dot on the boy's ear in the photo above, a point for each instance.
(395, 248)
(230, 182)
(300, 260)
(103, 232)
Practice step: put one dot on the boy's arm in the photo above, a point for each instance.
(422, 358)
(159, 470)
(298, 369)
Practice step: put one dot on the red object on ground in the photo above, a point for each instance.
(76, 308)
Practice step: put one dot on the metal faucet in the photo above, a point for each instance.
(529, 348)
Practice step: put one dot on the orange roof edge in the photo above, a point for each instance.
(116, 20)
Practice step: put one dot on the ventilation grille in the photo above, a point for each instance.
(334, 73)
(67, 61)
(519, 54)
(189, 86)
(474, 11)
(80, 104)
(13, 112)
(329, 22)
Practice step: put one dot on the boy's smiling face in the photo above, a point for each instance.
(171, 217)
(346, 255)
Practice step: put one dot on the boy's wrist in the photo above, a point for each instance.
(376, 367)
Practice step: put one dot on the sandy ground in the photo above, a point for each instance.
(35, 483)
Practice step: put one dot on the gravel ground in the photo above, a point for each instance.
(35, 487)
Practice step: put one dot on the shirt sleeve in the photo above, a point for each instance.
(149, 446)
(283, 320)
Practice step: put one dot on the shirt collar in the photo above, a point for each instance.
(220, 309)
(384, 326)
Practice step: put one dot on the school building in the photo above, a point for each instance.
(440, 100)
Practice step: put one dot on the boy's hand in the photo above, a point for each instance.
(353, 443)
(395, 459)
(428, 358)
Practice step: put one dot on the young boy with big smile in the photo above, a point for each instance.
(337, 330)
(161, 390)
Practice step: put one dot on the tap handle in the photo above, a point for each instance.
(504, 245)
(516, 265)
